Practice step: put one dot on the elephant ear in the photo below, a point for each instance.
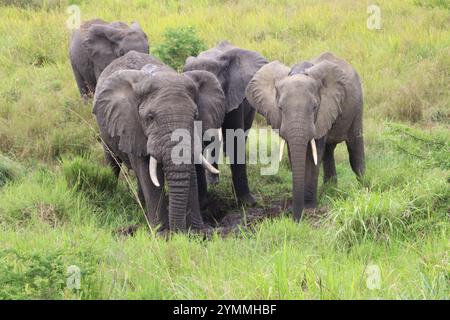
(332, 81)
(116, 110)
(262, 93)
(239, 68)
(210, 99)
(100, 41)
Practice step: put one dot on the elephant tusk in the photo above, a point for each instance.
(208, 166)
(314, 150)
(282, 143)
(220, 136)
(152, 168)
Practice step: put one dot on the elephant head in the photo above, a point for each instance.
(303, 103)
(233, 67)
(144, 107)
(104, 42)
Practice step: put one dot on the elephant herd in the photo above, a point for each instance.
(139, 102)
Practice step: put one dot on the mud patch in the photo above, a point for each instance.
(233, 220)
(225, 218)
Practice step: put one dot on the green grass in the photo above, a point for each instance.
(9, 170)
(60, 205)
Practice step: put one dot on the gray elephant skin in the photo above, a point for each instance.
(234, 68)
(138, 104)
(96, 44)
(315, 105)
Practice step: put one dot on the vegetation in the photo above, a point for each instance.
(60, 206)
(179, 44)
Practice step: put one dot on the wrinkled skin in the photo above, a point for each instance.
(234, 68)
(319, 99)
(138, 104)
(96, 44)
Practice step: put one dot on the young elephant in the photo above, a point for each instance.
(315, 105)
(96, 44)
(137, 112)
(234, 68)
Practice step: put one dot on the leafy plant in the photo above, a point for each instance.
(179, 44)
(26, 275)
(84, 175)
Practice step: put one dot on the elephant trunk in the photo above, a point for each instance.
(178, 178)
(179, 183)
(297, 150)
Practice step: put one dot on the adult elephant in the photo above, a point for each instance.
(234, 68)
(139, 104)
(96, 44)
(315, 105)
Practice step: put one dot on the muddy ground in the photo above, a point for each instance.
(227, 218)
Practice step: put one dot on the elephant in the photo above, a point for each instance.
(234, 68)
(315, 105)
(96, 44)
(139, 103)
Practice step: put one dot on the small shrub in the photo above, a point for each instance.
(26, 275)
(84, 175)
(407, 105)
(425, 90)
(179, 44)
(371, 216)
(431, 149)
(9, 170)
(38, 198)
(416, 207)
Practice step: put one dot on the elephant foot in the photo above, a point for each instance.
(204, 232)
(310, 205)
(164, 234)
(247, 199)
(332, 180)
(212, 178)
(203, 201)
(127, 231)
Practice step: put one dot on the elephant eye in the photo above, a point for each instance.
(315, 106)
(150, 117)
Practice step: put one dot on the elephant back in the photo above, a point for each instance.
(133, 60)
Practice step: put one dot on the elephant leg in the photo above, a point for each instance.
(113, 161)
(249, 115)
(81, 83)
(355, 147)
(202, 186)
(235, 120)
(194, 218)
(154, 196)
(312, 173)
(329, 167)
(140, 194)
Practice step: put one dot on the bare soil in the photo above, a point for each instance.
(225, 217)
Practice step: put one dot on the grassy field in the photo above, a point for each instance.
(59, 206)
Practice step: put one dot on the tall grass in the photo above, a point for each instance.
(58, 208)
